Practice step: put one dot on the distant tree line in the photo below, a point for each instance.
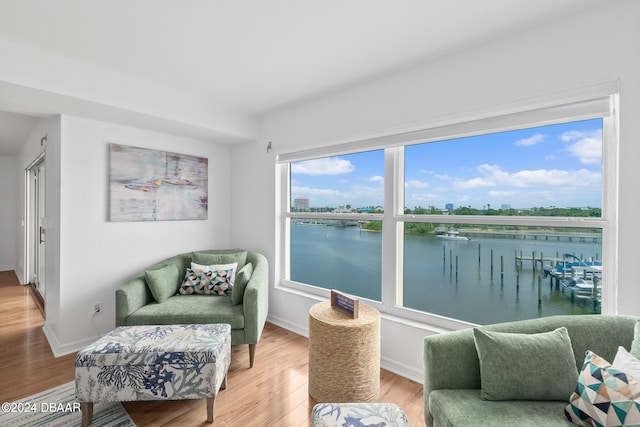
(489, 211)
(425, 228)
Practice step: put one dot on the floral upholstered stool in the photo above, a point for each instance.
(358, 415)
(167, 362)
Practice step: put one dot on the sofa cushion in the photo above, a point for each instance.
(465, 408)
(604, 396)
(180, 309)
(635, 345)
(206, 258)
(516, 366)
(163, 282)
(242, 279)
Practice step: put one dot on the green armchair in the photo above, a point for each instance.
(136, 304)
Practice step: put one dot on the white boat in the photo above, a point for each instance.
(451, 234)
(578, 284)
(581, 288)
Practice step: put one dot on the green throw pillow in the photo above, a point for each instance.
(242, 278)
(163, 282)
(526, 366)
(635, 345)
(218, 258)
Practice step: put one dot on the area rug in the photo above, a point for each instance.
(59, 407)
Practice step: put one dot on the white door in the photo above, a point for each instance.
(36, 228)
(40, 209)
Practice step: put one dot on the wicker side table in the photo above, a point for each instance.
(344, 354)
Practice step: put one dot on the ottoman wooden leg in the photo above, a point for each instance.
(210, 407)
(87, 413)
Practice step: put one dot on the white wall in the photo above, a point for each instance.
(579, 51)
(9, 206)
(97, 256)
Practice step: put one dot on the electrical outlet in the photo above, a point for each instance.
(97, 307)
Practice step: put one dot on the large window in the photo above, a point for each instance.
(494, 220)
(334, 201)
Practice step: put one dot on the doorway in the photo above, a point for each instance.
(36, 225)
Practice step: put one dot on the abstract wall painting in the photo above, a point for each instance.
(154, 185)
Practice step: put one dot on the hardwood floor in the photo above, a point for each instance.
(272, 393)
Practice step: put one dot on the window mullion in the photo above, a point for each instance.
(391, 262)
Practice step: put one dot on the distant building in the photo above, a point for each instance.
(448, 206)
(506, 206)
(301, 205)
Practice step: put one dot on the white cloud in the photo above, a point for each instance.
(324, 166)
(317, 193)
(572, 135)
(435, 175)
(473, 183)
(586, 146)
(414, 183)
(356, 195)
(502, 194)
(377, 179)
(533, 140)
(493, 175)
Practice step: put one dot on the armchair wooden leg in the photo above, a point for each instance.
(252, 354)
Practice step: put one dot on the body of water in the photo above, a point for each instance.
(349, 259)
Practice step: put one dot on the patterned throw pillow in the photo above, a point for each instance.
(231, 266)
(635, 345)
(625, 362)
(220, 282)
(206, 282)
(189, 283)
(604, 396)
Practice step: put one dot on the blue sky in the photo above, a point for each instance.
(558, 165)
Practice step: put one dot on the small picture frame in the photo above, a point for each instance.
(346, 304)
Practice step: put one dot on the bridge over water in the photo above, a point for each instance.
(567, 236)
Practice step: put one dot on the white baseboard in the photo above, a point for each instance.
(20, 278)
(290, 326)
(391, 365)
(402, 369)
(62, 350)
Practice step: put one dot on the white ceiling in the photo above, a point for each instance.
(254, 56)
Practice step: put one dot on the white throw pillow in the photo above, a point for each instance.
(627, 363)
(216, 267)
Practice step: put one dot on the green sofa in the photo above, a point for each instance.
(452, 386)
(136, 305)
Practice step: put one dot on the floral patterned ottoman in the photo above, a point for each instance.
(358, 415)
(167, 362)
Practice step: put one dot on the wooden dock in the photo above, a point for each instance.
(520, 259)
(540, 259)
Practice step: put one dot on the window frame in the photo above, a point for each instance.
(598, 101)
